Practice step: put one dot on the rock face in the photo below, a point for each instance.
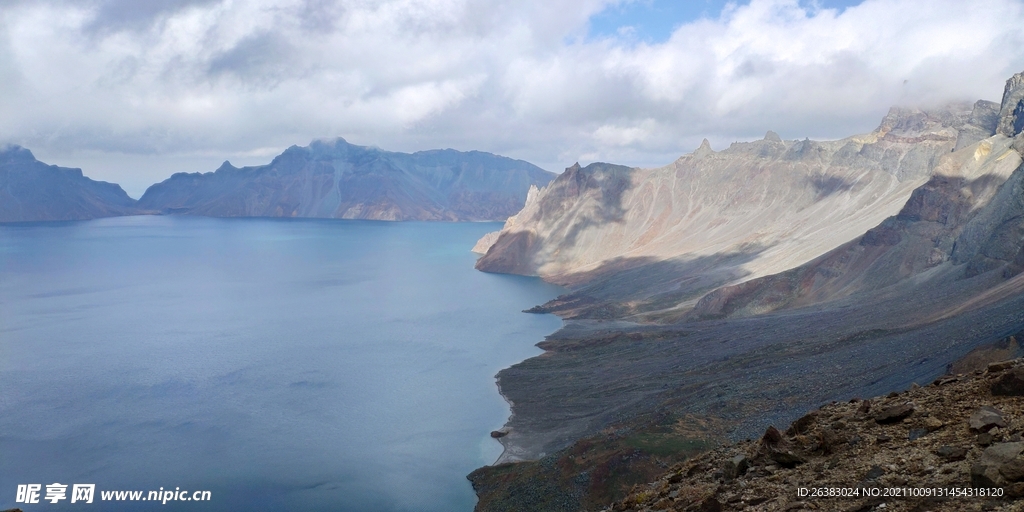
(953, 218)
(335, 179)
(33, 191)
(487, 241)
(718, 218)
(981, 125)
(1011, 111)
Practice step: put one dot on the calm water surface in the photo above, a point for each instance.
(280, 364)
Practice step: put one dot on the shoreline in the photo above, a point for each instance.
(506, 427)
(509, 452)
(513, 451)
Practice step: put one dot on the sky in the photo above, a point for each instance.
(132, 92)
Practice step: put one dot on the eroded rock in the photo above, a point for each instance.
(951, 453)
(988, 470)
(895, 413)
(1001, 365)
(735, 467)
(1010, 383)
(986, 418)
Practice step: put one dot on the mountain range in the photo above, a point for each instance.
(737, 289)
(327, 179)
(335, 179)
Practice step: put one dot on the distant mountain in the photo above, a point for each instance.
(335, 179)
(33, 191)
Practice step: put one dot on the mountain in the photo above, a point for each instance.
(33, 191)
(742, 309)
(968, 214)
(716, 218)
(956, 217)
(335, 179)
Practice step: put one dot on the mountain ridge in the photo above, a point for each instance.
(751, 210)
(335, 179)
(330, 178)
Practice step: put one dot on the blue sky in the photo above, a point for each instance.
(653, 21)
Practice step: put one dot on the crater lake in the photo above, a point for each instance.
(279, 364)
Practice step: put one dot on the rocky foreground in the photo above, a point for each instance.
(954, 445)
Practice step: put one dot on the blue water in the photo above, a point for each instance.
(279, 364)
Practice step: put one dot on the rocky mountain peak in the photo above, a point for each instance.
(31, 190)
(1011, 110)
(337, 145)
(226, 166)
(704, 150)
(771, 137)
(14, 152)
(914, 124)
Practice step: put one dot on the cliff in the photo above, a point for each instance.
(948, 219)
(33, 191)
(335, 179)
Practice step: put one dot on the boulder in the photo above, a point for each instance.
(916, 433)
(997, 465)
(735, 467)
(1001, 365)
(895, 413)
(933, 424)
(951, 453)
(777, 449)
(986, 418)
(787, 459)
(801, 425)
(1010, 383)
(874, 472)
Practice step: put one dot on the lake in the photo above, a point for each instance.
(279, 364)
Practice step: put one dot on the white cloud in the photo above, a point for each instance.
(185, 80)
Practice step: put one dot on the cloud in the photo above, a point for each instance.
(184, 78)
